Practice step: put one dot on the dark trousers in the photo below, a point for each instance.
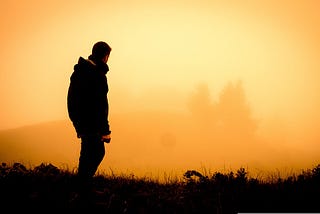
(91, 155)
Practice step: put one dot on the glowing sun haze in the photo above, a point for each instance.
(161, 52)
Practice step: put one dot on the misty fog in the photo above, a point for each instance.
(168, 133)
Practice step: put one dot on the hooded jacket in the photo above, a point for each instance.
(87, 100)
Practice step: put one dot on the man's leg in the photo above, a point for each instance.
(91, 154)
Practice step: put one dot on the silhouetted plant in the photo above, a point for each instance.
(316, 172)
(46, 169)
(192, 175)
(242, 175)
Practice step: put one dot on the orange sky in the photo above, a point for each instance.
(162, 51)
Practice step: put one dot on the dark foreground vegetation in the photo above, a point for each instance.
(48, 189)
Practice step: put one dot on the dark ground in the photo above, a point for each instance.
(47, 189)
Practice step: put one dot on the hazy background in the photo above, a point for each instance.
(215, 84)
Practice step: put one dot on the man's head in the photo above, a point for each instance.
(101, 51)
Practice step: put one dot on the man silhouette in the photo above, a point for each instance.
(88, 109)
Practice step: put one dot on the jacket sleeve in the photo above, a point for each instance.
(103, 108)
(72, 103)
(105, 128)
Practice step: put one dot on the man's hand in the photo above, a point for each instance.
(106, 138)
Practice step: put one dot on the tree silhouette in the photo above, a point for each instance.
(234, 112)
(229, 120)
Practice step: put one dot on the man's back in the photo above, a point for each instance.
(87, 98)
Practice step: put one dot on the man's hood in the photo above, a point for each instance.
(83, 65)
